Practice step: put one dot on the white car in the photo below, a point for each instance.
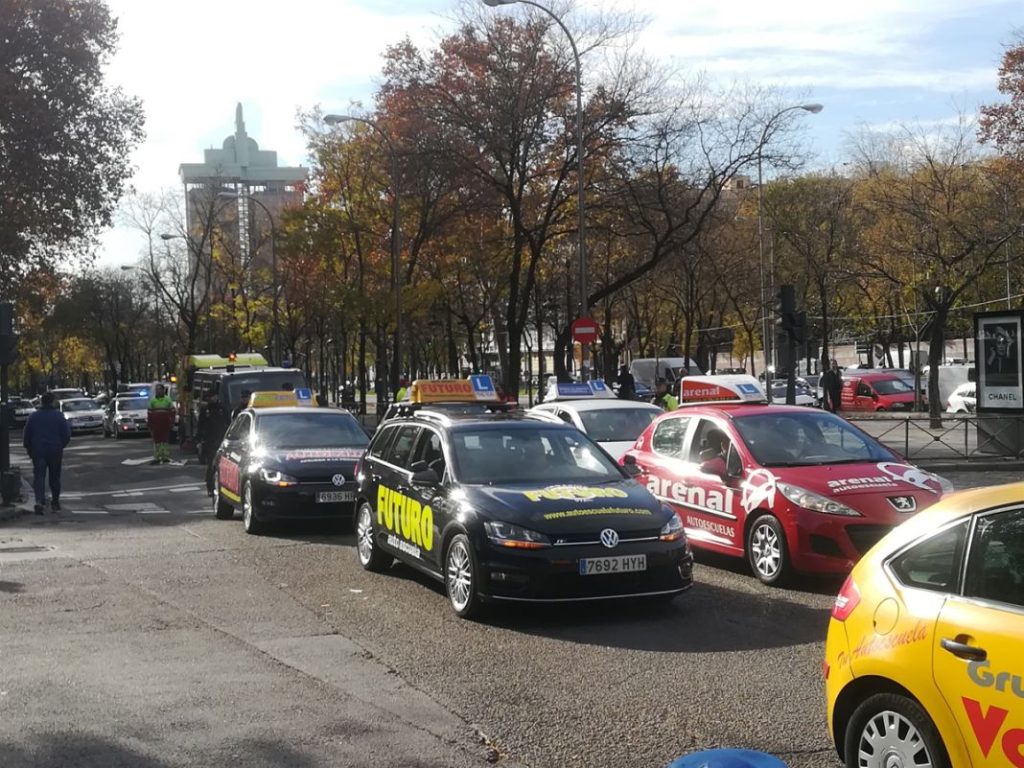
(126, 416)
(83, 414)
(612, 423)
(963, 399)
(804, 395)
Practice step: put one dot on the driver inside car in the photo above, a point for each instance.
(712, 458)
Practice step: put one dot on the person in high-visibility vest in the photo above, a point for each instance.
(403, 390)
(663, 397)
(160, 418)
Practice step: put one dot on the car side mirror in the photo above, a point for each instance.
(630, 466)
(874, 396)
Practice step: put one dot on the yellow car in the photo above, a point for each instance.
(924, 663)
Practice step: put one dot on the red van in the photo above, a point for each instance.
(876, 392)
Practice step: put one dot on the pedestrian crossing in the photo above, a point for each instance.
(183, 499)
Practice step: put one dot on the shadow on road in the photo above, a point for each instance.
(11, 587)
(91, 751)
(709, 618)
(802, 583)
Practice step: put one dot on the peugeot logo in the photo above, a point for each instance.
(609, 538)
(903, 503)
(338, 480)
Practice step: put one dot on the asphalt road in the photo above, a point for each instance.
(145, 632)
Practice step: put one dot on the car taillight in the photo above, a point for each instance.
(847, 599)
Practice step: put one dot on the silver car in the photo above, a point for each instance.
(83, 414)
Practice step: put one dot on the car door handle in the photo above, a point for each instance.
(964, 651)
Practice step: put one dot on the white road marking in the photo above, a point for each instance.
(137, 507)
(138, 491)
(153, 511)
(197, 512)
(191, 489)
(89, 512)
(126, 494)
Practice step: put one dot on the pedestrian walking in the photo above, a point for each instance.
(161, 421)
(832, 387)
(627, 384)
(47, 434)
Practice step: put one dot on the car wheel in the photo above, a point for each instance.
(460, 577)
(766, 551)
(250, 520)
(370, 555)
(222, 509)
(889, 729)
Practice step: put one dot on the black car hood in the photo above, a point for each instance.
(305, 463)
(566, 508)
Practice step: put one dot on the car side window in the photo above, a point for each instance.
(239, 430)
(429, 450)
(400, 451)
(995, 565)
(564, 416)
(698, 443)
(381, 442)
(933, 564)
(863, 390)
(667, 439)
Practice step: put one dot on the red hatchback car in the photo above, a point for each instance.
(792, 489)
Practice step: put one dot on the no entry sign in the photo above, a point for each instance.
(584, 330)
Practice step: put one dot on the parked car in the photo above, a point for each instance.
(870, 391)
(67, 393)
(963, 399)
(804, 394)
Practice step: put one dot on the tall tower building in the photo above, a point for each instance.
(236, 196)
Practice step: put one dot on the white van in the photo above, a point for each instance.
(647, 370)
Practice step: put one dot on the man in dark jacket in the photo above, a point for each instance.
(46, 435)
(627, 384)
(832, 387)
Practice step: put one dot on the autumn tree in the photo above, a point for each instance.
(65, 135)
(934, 221)
(1003, 124)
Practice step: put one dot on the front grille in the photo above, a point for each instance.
(594, 537)
(864, 537)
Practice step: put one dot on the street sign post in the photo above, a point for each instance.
(585, 330)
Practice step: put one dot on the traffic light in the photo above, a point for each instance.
(785, 308)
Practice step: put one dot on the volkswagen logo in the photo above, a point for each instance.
(338, 480)
(609, 538)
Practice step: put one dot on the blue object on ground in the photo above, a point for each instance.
(727, 758)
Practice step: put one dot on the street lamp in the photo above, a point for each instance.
(275, 341)
(396, 238)
(580, 243)
(766, 319)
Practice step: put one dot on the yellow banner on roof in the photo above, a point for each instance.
(217, 361)
(273, 400)
(472, 390)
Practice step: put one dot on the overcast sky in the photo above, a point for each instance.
(872, 62)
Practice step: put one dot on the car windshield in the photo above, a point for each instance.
(807, 439)
(510, 455)
(892, 386)
(132, 403)
(315, 429)
(80, 405)
(616, 425)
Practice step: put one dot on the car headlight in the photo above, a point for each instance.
(277, 477)
(673, 529)
(815, 502)
(514, 537)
